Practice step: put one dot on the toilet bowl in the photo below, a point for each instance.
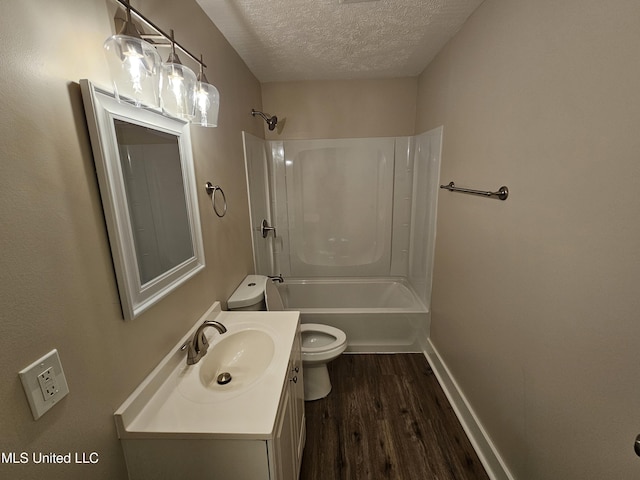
(320, 343)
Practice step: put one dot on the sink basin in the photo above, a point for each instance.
(244, 355)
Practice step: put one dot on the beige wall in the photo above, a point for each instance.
(57, 286)
(342, 109)
(535, 300)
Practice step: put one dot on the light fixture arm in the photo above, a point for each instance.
(149, 23)
(128, 27)
(173, 57)
(201, 76)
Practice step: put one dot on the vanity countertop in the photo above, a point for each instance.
(165, 405)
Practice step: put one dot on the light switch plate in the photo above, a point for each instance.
(44, 383)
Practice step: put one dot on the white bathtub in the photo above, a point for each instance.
(377, 314)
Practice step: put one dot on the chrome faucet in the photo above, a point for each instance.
(276, 278)
(198, 345)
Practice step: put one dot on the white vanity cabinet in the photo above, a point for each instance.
(256, 435)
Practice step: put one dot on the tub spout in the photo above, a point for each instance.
(276, 278)
(197, 347)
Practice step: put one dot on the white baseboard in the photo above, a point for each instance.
(489, 456)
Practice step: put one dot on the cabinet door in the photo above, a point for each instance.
(297, 398)
(284, 441)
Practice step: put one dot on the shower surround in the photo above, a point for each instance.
(355, 232)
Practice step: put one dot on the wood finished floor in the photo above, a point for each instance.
(386, 418)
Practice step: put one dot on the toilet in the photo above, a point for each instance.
(320, 343)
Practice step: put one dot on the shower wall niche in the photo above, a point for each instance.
(361, 207)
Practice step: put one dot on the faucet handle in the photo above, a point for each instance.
(192, 356)
(201, 343)
(265, 228)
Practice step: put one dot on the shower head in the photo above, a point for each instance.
(271, 121)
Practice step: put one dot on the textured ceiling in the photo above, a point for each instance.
(283, 40)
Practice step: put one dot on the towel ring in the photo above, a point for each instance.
(211, 190)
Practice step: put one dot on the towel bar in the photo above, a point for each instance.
(502, 193)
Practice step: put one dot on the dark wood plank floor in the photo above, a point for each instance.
(386, 418)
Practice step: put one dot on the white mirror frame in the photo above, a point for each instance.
(102, 109)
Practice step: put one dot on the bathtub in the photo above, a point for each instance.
(379, 315)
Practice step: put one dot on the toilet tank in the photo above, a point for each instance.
(249, 295)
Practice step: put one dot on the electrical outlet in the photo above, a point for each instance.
(47, 382)
(44, 383)
(46, 376)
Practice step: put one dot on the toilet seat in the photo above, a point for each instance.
(326, 351)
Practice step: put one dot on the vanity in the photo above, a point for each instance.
(191, 421)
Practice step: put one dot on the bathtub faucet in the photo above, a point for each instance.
(276, 278)
(198, 345)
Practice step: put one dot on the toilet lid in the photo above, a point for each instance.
(249, 292)
(339, 335)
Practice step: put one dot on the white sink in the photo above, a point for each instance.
(180, 399)
(245, 352)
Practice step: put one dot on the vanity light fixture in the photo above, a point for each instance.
(141, 78)
(207, 101)
(134, 65)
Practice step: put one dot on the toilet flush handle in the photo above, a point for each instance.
(265, 228)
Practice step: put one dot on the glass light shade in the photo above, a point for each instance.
(207, 105)
(177, 90)
(135, 70)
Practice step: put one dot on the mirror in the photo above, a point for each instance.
(147, 183)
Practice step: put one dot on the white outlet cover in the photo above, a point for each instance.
(34, 388)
